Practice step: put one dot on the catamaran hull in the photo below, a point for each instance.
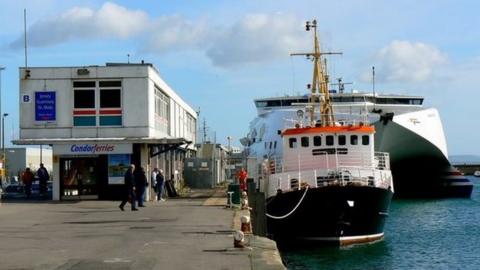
(338, 215)
(419, 165)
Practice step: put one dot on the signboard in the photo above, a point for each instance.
(26, 98)
(117, 166)
(45, 106)
(92, 148)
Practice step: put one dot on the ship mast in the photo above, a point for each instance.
(319, 88)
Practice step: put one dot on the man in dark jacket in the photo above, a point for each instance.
(160, 182)
(140, 184)
(43, 177)
(129, 189)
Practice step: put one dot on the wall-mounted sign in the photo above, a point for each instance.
(26, 98)
(45, 106)
(92, 149)
(117, 166)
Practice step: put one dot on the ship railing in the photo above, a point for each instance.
(342, 120)
(330, 160)
(341, 176)
(323, 160)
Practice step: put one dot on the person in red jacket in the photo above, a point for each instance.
(242, 179)
(27, 179)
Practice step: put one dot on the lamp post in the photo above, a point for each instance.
(3, 145)
(3, 164)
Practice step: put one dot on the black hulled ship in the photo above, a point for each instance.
(329, 185)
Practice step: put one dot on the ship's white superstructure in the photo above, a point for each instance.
(411, 134)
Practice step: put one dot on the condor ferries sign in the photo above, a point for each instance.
(92, 149)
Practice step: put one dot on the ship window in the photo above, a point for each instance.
(354, 140)
(317, 141)
(292, 142)
(365, 140)
(329, 140)
(305, 141)
(342, 140)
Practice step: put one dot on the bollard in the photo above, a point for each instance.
(230, 194)
(239, 239)
(245, 225)
(244, 201)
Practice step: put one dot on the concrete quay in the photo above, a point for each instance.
(194, 232)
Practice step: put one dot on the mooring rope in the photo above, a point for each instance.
(293, 210)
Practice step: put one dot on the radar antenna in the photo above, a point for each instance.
(341, 85)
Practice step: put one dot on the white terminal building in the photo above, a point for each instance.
(100, 119)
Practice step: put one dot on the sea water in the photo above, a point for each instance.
(419, 234)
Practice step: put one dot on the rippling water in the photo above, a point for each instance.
(419, 234)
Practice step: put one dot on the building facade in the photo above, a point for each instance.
(100, 119)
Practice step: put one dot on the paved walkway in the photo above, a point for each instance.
(176, 234)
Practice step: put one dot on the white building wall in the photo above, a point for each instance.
(135, 96)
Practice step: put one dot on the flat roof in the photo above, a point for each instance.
(101, 140)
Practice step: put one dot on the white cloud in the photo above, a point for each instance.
(176, 33)
(254, 38)
(110, 20)
(404, 61)
(258, 38)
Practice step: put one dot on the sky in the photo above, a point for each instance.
(221, 55)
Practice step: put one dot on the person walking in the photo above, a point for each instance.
(153, 179)
(43, 177)
(128, 191)
(27, 179)
(242, 179)
(160, 179)
(140, 185)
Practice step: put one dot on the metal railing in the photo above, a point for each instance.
(326, 160)
(343, 119)
(342, 176)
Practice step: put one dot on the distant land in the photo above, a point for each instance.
(464, 159)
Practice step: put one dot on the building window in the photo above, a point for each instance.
(110, 103)
(317, 141)
(292, 142)
(110, 84)
(342, 140)
(162, 109)
(84, 99)
(275, 145)
(80, 121)
(354, 140)
(304, 141)
(110, 98)
(365, 140)
(329, 140)
(84, 84)
(86, 108)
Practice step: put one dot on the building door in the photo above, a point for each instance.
(79, 178)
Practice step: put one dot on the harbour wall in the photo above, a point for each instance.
(467, 169)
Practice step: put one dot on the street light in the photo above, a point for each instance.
(3, 165)
(3, 145)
